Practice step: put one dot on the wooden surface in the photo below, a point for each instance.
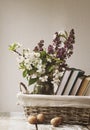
(17, 121)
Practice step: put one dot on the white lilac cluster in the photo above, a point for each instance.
(30, 59)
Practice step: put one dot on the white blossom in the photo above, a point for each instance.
(44, 78)
(55, 83)
(40, 69)
(20, 59)
(49, 60)
(56, 80)
(18, 45)
(28, 66)
(34, 76)
(56, 73)
(61, 73)
(37, 54)
(26, 53)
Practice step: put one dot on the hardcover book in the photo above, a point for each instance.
(77, 85)
(72, 80)
(84, 86)
(87, 92)
(64, 81)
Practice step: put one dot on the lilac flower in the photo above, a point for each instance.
(61, 53)
(40, 44)
(36, 49)
(50, 49)
(57, 38)
(39, 47)
(69, 43)
(56, 41)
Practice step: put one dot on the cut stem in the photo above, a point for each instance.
(36, 126)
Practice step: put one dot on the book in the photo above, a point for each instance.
(72, 80)
(87, 92)
(84, 86)
(77, 85)
(64, 81)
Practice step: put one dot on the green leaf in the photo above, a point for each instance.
(43, 54)
(66, 33)
(32, 71)
(22, 66)
(57, 60)
(49, 68)
(63, 36)
(25, 73)
(13, 47)
(32, 81)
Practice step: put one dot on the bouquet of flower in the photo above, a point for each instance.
(44, 67)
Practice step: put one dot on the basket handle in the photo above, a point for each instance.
(23, 88)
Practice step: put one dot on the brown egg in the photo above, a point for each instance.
(32, 119)
(40, 118)
(56, 121)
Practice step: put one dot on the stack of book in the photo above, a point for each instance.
(74, 82)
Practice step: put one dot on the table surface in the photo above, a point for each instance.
(17, 121)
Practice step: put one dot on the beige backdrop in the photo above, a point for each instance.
(27, 22)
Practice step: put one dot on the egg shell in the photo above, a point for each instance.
(40, 118)
(32, 119)
(56, 121)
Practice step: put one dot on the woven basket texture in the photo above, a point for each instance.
(71, 115)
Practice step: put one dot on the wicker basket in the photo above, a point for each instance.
(73, 109)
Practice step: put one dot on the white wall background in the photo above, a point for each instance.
(27, 22)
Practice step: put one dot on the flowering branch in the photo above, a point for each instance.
(45, 66)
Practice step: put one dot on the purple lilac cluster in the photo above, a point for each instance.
(39, 47)
(59, 48)
(65, 51)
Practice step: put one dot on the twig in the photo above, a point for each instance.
(17, 52)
